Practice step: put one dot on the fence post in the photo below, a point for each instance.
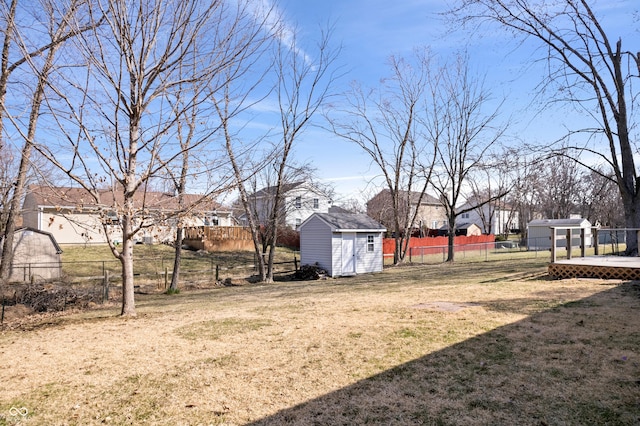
(596, 250)
(218, 272)
(295, 262)
(569, 243)
(105, 286)
(166, 277)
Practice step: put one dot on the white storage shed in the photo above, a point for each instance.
(539, 233)
(342, 243)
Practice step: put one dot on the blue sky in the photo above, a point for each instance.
(371, 30)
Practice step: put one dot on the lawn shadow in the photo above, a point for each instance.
(573, 364)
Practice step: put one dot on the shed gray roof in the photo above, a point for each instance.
(349, 221)
(580, 222)
(55, 244)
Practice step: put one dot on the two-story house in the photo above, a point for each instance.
(430, 212)
(298, 201)
(495, 217)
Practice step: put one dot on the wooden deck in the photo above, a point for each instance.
(604, 267)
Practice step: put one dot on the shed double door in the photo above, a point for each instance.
(348, 254)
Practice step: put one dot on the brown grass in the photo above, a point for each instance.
(486, 343)
(152, 263)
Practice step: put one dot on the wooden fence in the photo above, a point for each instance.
(218, 238)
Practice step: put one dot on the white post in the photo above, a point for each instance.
(553, 245)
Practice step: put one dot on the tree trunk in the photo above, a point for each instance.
(397, 253)
(632, 221)
(451, 238)
(25, 161)
(272, 251)
(126, 259)
(176, 259)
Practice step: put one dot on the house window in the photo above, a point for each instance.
(434, 224)
(370, 243)
(464, 216)
(298, 202)
(316, 203)
(211, 221)
(298, 222)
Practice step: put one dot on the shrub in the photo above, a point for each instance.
(309, 272)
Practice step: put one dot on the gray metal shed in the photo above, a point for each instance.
(539, 233)
(35, 254)
(342, 243)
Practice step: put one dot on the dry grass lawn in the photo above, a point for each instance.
(472, 344)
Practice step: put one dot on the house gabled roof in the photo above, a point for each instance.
(474, 202)
(414, 197)
(345, 222)
(270, 191)
(72, 197)
(36, 231)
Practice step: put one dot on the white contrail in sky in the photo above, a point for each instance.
(275, 22)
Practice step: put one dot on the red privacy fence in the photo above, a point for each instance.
(436, 243)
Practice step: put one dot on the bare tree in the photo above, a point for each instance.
(243, 88)
(560, 187)
(198, 160)
(526, 182)
(123, 109)
(303, 79)
(198, 123)
(600, 201)
(494, 180)
(464, 125)
(8, 167)
(63, 22)
(592, 71)
(229, 106)
(388, 125)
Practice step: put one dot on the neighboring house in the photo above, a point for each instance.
(73, 217)
(431, 213)
(539, 232)
(342, 243)
(299, 200)
(492, 218)
(36, 256)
